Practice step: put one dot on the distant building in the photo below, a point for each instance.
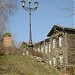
(24, 48)
(43, 49)
(43, 46)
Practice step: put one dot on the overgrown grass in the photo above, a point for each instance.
(24, 65)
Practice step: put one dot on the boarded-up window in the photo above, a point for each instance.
(54, 43)
(38, 49)
(46, 48)
(49, 48)
(42, 49)
(54, 61)
(60, 41)
(61, 59)
(50, 62)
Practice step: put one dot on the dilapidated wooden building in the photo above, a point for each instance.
(60, 47)
(62, 41)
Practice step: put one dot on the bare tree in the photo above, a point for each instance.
(7, 8)
(71, 10)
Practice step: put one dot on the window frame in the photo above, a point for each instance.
(54, 61)
(49, 45)
(54, 43)
(46, 48)
(42, 49)
(60, 40)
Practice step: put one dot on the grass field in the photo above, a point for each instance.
(24, 65)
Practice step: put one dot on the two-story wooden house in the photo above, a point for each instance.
(62, 42)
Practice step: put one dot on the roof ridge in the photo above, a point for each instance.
(65, 26)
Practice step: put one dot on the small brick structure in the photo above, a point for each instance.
(7, 43)
(7, 40)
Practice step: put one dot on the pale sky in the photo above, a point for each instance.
(43, 19)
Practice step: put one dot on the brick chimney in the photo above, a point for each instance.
(7, 40)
